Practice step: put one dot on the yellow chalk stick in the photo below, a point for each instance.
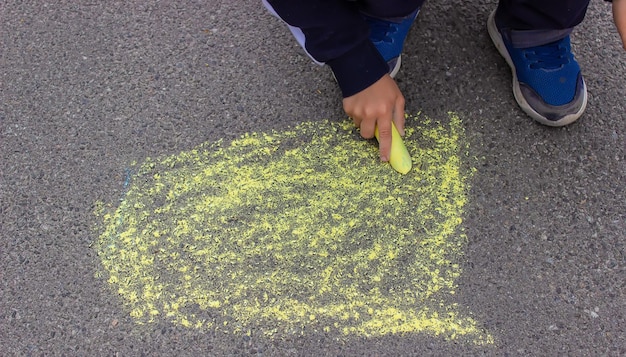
(399, 157)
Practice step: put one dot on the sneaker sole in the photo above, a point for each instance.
(496, 38)
(396, 69)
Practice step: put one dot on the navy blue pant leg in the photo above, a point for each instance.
(389, 8)
(537, 22)
(540, 14)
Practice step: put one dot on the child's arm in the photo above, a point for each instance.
(619, 16)
(334, 33)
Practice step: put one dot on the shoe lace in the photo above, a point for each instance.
(550, 56)
(380, 31)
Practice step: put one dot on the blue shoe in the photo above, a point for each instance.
(388, 36)
(547, 82)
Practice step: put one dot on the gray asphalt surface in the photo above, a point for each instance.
(86, 88)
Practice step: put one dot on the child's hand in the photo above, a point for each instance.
(619, 16)
(377, 105)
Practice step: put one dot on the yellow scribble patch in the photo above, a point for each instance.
(294, 231)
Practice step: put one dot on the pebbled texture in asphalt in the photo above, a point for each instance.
(87, 88)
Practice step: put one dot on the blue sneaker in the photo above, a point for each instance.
(547, 82)
(388, 36)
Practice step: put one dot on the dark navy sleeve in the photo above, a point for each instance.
(334, 33)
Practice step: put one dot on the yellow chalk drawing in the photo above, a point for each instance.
(295, 231)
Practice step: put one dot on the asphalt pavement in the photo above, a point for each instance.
(91, 91)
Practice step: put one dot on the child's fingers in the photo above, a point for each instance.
(366, 128)
(398, 115)
(619, 16)
(384, 138)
